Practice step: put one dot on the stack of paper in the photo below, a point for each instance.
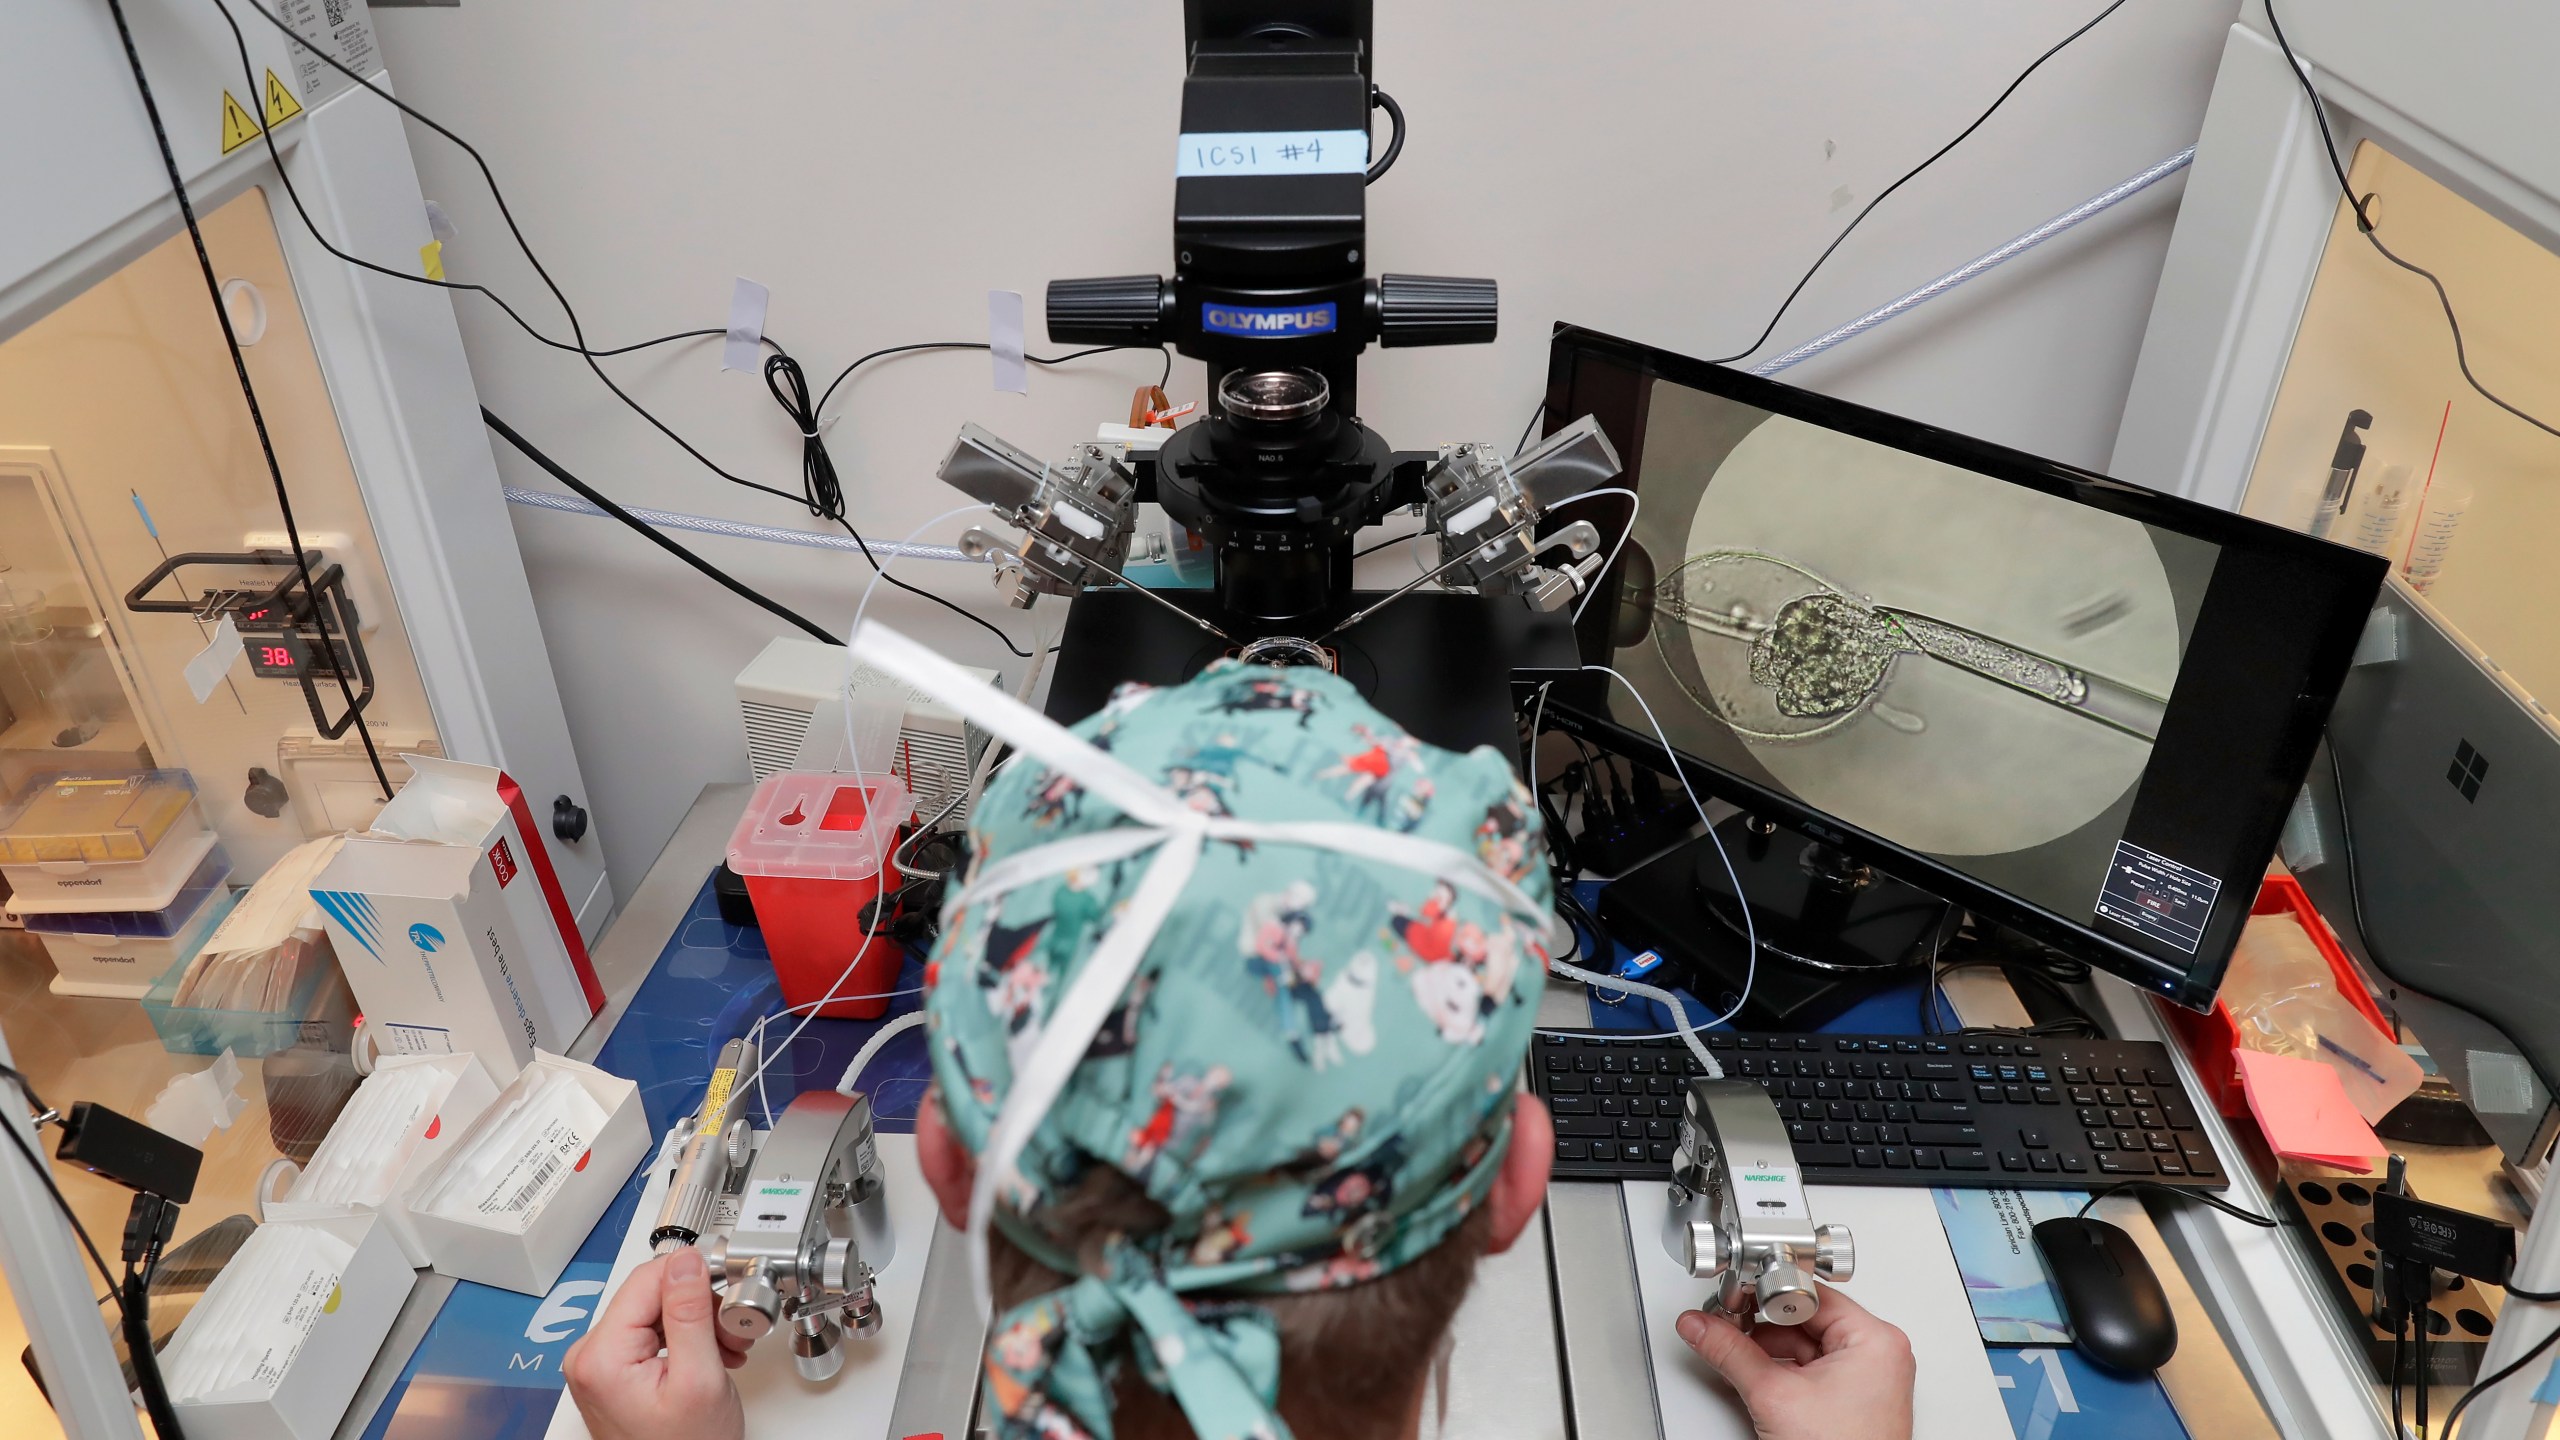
(2304, 1112)
(257, 955)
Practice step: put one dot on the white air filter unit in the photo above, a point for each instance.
(793, 683)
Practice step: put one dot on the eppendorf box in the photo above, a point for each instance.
(452, 928)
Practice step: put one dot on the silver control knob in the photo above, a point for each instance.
(752, 1308)
(1704, 1251)
(817, 1347)
(1835, 1256)
(739, 1143)
(837, 1264)
(1786, 1295)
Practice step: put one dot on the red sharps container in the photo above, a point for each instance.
(813, 850)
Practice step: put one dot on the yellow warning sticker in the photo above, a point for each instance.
(281, 106)
(431, 259)
(239, 127)
(717, 1095)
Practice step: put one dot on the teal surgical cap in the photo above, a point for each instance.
(1250, 944)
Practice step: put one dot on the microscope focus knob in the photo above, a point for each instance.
(1107, 310)
(1786, 1295)
(1423, 310)
(1835, 1255)
(1705, 1252)
(752, 1308)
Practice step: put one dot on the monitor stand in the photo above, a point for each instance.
(1814, 905)
(1832, 931)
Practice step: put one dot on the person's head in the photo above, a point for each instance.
(1220, 1196)
(1352, 1360)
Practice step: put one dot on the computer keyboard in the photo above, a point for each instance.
(1977, 1111)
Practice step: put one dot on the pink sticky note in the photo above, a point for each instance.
(2304, 1111)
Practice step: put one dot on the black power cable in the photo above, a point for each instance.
(2365, 226)
(44, 1174)
(249, 76)
(2217, 1202)
(602, 502)
(576, 329)
(1381, 100)
(248, 393)
(147, 1227)
(822, 490)
(2503, 1372)
(1907, 176)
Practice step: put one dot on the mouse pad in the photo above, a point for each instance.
(1905, 1274)
(2053, 1394)
(1992, 1234)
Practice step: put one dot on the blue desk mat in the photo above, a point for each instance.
(489, 1366)
(2051, 1393)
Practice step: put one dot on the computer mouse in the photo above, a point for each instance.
(2118, 1313)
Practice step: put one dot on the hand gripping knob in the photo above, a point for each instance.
(752, 1308)
(1786, 1295)
(1705, 1252)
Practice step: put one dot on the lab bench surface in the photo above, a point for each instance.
(1552, 1342)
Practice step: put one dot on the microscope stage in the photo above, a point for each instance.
(1443, 664)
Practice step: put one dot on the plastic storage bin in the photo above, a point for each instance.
(2212, 1038)
(320, 1012)
(124, 967)
(94, 843)
(162, 923)
(811, 848)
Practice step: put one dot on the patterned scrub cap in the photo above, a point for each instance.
(1252, 945)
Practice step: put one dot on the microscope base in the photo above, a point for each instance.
(1448, 667)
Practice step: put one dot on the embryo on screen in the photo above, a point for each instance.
(1964, 666)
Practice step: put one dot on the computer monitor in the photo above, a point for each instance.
(2070, 705)
(2439, 871)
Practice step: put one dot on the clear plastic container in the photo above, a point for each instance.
(124, 967)
(811, 848)
(320, 1012)
(164, 922)
(98, 819)
(76, 889)
(93, 843)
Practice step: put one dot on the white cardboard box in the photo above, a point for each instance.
(313, 1396)
(530, 1261)
(470, 1095)
(452, 928)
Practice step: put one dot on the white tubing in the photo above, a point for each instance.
(873, 1046)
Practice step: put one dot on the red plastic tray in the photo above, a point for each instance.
(2211, 1037)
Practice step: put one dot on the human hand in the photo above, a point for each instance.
(1844, 1372)
(652, 1366)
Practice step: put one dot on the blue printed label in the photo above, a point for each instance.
(1265, 322)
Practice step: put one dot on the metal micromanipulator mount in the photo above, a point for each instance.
(1271, 290)
(795, 1231)
(1738, 1214)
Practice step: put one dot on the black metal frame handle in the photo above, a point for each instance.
(328, 593)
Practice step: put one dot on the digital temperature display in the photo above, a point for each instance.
(290, 656)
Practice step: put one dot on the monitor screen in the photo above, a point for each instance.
(2076, 707)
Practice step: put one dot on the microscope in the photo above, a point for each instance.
(1738, 1214)
(1270, 289)
(794, 1231)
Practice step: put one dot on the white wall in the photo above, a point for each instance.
(1663, 169)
